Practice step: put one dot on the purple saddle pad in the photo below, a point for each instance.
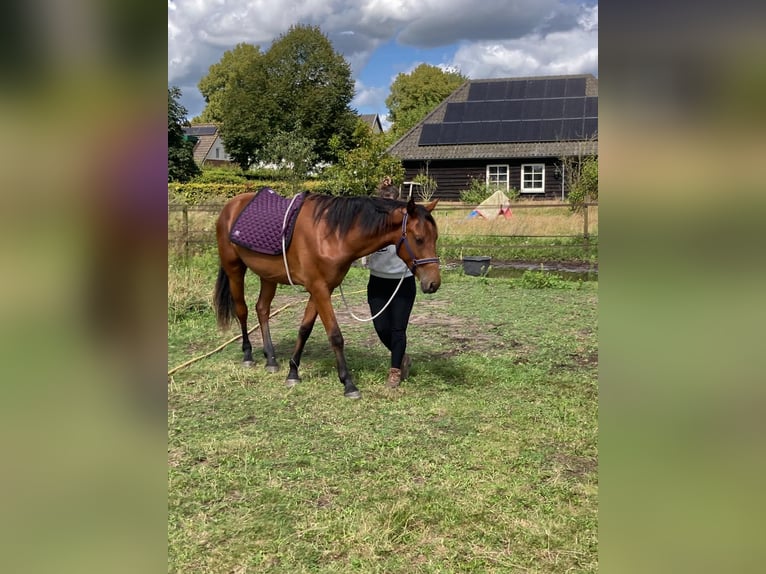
(262, 224)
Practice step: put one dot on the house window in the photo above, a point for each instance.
(533, 178)
(497, 176)
(217, 152)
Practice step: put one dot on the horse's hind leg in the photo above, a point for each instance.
(236, 272)
(263, 308)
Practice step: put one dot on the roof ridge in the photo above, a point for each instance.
(543, 77)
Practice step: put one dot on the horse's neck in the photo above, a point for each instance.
(371, 243)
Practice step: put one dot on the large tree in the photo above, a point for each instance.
(234, 65)
(311, 86)
(415, 94)
(300, 84)
(248, 113)
(181, 166)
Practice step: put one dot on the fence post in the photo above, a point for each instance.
(185, 230)
(585, 222)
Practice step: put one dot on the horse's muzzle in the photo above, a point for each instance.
(430, 285)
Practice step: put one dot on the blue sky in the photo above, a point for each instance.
(382, 38)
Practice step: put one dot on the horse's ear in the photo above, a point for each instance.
(411, 206)
(430, 206)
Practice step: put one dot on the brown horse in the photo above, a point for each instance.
(330, 233)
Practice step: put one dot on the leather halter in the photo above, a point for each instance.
(403, 239)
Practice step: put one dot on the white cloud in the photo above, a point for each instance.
(571, 51)
(446, 21)
(369, 96)
(495, 37)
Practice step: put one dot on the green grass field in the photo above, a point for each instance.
(485, 460)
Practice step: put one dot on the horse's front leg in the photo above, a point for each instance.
(307, 325)
(327, 314)
(263, 309)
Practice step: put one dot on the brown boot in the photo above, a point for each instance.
(394, 377)
(406, 363)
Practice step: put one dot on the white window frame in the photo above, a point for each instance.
(524, 188)
(496, 184)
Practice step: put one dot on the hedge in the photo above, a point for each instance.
(201, 193)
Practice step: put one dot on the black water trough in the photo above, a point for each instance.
(476, 265)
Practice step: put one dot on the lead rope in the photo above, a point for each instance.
(404, 235)
(375, 316)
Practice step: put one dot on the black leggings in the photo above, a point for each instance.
(391, 325)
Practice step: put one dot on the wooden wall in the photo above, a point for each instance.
(454, 176)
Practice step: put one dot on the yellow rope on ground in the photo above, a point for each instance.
(230, 341)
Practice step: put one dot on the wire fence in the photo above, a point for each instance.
(191, 227)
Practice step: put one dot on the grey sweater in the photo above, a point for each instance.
(387, 264)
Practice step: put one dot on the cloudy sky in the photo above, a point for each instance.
(382, 38)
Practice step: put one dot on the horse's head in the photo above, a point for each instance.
(417, 245)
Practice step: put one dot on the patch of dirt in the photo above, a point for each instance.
(457, 334)
(578, 360)
(575, 466)
(175, 455)
(461, 334)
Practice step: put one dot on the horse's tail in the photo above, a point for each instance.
(223, 301)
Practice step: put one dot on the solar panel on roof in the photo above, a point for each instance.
(535, 88)
(573, 107)
(516, 90)
(575, 87)
(590, 128)
(553, 108)
(496, 91)
(591, 107)
(512, 110)
(487, 132)
(474, 111)
(533, 110)
(477, 91)
(530, 131)
(550, 130)
(429, 134)
(471, 132)
(493, 111)
(500, 134)
(556, 88)
(509, 131)
(517, 111)
(449, 133)
(572, 129)
(454, 112)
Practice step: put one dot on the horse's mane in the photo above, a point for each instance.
(342, 213)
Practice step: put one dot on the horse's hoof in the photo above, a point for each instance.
(248, 363)
(290, 383)
(272, 368)
(353, 395)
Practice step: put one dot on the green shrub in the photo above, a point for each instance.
(194, 193)
(544, 280)
(199, 193)
(231, 175)
(583, 182)
(427, 186)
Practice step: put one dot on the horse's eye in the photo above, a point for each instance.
(419, 240)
